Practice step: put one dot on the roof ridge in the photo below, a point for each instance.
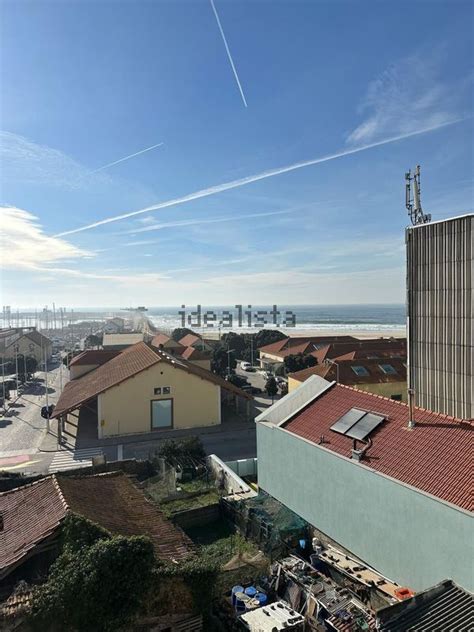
(405, 404)
(60, 492)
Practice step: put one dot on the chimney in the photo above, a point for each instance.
(411, 408)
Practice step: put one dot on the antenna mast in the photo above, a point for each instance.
(413, 203)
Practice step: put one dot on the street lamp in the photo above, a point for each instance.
(229, 351)
(336, 364)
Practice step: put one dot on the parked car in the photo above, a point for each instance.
(250, 369)
(245, 366)
(253, 390)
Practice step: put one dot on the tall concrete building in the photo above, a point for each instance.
(440, 277)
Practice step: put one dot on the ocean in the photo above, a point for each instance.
(289, 318)
(322, 317)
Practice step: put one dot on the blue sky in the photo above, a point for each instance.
(85, 84)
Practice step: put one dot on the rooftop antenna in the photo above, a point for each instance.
(413, 203)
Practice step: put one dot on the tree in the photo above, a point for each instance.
(92, 340)
(267, 336)
(99, 582)
(27, 366)
(298, 362)
(271, 387)
(180, 332)
(174, 451)
(221, 361)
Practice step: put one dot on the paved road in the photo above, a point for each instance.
(23, 430)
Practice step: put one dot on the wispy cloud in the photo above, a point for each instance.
(229, 53)
(116, 162)
(407, 97)
(24, 244)
(211, 220)
(255, 178)
(26, 161)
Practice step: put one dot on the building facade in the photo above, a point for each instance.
(401, 504)
(440, 278)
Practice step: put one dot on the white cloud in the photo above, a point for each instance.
(24, 245)
(406, 97)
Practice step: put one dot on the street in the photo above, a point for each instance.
(23, 430)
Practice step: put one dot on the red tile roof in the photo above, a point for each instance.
(93, 356)
(434, 456)
(347, 376)
(30, 515)
(129, 362)
(300, 340)
(115, 503)
(33, 513)
(191, 353)
(189, 340)
(380, 347)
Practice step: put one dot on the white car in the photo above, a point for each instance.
(245, 365)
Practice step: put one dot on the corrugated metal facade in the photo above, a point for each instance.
(440, 277)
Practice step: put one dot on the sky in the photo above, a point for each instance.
(226, 151)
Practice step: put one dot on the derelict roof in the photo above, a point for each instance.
(432, 457)
(129, 362)
(32, 514)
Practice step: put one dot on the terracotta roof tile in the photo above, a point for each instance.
(434, 456)
(30, 515)
(33, 513)
(128, 363)
(347, 376)
(191, 353)
(189, 340)
(114, 502)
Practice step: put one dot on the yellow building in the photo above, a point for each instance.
(382, 376)
(144, 389)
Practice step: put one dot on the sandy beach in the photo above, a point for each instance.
(300, 332)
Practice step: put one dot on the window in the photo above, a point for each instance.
(157, 391)
(397, 398)
(166, 390)
(161, 413)
(388, 369)
(361, 371)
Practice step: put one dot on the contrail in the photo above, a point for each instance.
(228, 53)
(255, 178)
(110, 164)
(211, 220)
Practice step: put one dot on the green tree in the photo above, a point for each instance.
(27, 366)
(221, 360)
(271, 387)
(176, 450)
(298, 362)
(98, 587)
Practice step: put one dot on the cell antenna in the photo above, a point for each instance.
(413, 201)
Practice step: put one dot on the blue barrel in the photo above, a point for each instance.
(251, 591)
(236, 589)
(261, 598)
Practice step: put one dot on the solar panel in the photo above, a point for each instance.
(364, 426)
(346, 422)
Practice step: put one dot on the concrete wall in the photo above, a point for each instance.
(440, 294)
(78, 370)
(406, 535)
(126, 408)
